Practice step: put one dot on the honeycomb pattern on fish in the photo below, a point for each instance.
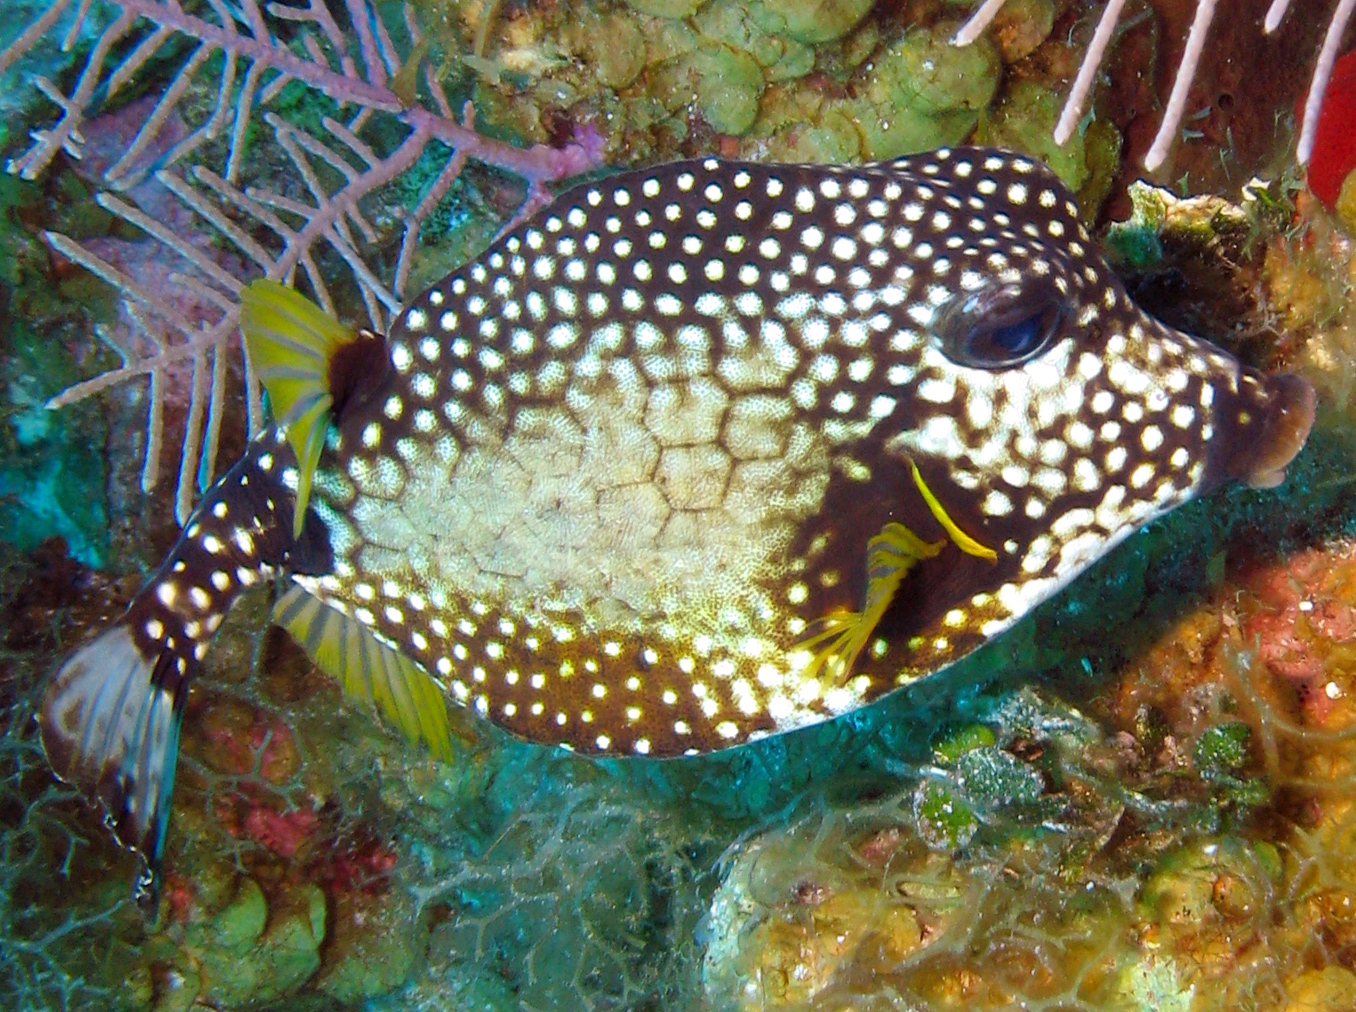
(631, 455)
(695, 455)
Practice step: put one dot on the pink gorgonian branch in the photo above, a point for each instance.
(184, 186)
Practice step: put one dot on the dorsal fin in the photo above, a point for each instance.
(367, 669)
(291, 343)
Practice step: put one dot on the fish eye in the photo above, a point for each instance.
(1018, 338)
(998, 326)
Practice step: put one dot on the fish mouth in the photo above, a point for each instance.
(1288, 403)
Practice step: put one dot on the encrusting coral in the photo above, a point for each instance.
(1154, 817)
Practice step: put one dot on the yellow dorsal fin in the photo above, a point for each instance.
(844, 634)
(291, 342)
(368, 670)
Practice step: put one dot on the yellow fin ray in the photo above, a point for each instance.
(368, 669)
(963, 541)
(291, 342)
(889, 557)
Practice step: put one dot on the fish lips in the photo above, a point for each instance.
(1266, 424)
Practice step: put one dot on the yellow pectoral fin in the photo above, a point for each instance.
(843, 635)
(963, 541)
(889, 557)
(291, 342)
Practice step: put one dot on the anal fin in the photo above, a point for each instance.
(368, 669)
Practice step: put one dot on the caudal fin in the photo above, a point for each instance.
(110, 719)
(110, 725)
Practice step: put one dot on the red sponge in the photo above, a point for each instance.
(1335, 142)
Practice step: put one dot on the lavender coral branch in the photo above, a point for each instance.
(180, 184)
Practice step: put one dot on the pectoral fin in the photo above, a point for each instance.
(889, 557)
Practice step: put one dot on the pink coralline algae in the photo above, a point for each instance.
(1304, 627)
(266, 748)
(281, 832)
(359, 864)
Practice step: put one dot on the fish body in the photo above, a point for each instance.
(616, 483)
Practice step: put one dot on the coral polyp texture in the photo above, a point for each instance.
(1138, 799)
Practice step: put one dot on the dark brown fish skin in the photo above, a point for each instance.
(684, 284)
(606, 479)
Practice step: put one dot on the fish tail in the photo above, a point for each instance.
(111, 714)
(110, 719)
(110, 725)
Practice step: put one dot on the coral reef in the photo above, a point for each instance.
(1138, 799)
(1147, 854)
(1195, 48)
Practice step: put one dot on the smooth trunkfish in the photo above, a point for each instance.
(696, 454)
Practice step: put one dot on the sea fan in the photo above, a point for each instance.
(1186, 70)
(181, 182)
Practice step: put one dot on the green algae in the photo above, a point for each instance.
(634, 72)
(253, 951)
(1025, 120)
(728, 83)
(372, 950)
(991, 777)
(240, 924)
(944, 819)
(886, 136)
(617, 46)
(922, 72)
(809, 21)
(734, 24)
(922, 93)
(830, 139)
(1221, 750)
(666, 8)
(949, 748)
